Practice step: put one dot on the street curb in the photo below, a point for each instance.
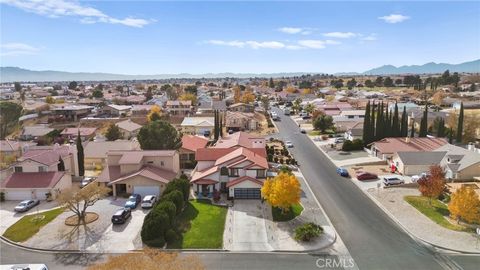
(394, 219)
(413, 236)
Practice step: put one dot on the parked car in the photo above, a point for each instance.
(339, 140)
(342, 172)
(23, 266)
(86, 181)
(121, 215)
(288, 144)
(26, 205)
(148, 201)
(392, 180)
(366, 175)
(415, 178)
(303, 131)
(133, 201)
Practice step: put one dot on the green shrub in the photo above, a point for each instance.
(157, 242)
(155, 224)
(308, 231)
(281, 160)
(169, 208)
(2, 196)
(270, 158)
(275, 159)
(179, 184)
(171, 236)
(176, 197)
(348, 145)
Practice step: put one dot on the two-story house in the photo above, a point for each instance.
(179, 107)
(236, 165)
(237, 121)
(41, 171)
(144, 172)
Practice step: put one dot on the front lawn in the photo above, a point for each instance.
(295, 210)
(436, 211)
(201, 225)
(29, 225)
(314, 133)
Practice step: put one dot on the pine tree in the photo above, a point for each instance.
(366, 126)
(424, 123)
(80, 156)
(396, 123)
(404, 123)
(460, 125)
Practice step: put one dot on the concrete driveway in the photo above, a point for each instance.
(248, 227)
(8, 217)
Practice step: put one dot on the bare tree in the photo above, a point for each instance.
(78, 201)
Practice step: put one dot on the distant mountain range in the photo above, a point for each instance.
(14, 74)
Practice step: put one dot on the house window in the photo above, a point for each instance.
(18, 169)
(42, 169)
(150, 162)
(350, 116)
(183, 156)
(234, 172)
(162, 163)
(260, 173)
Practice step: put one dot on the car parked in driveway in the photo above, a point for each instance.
(342, 172)
(26, 205)
(339, 140)
(361, 175)
(121, 215)
(392, 180)
(133, 201)
(148, 201)
(288, 144)
(86, 181)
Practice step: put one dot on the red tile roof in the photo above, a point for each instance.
(46, 156)
(192, 143)
(393, 145)
(242, 179)
(205, 182)
(204, 154)
(240, 139)
(32, 180)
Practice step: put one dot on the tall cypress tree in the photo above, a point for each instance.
(412, 131)
(366, 125)
(378, 123)
(372, 121)
(441, 128)
(215, 127)
(386, 125)
(80, 156)
(396, 123)
(404, 123)
(460, 125)
(220, 132)
(424, 123)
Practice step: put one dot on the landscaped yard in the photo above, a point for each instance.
(29, 225)
(436, 211)
(295, 210)
(201, 224)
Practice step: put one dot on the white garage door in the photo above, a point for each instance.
(18, 195)
(146, 190)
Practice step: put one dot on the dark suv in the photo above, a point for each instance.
(121, 215)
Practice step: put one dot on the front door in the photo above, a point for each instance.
(205, 189)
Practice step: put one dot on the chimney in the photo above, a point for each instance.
(407, 139)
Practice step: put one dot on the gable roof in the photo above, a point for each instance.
(83, 131)
(393, 145)
(463, 157)
(192, 143)
(198, 121)
(100, 149)
(150, 172)
(421, 158)
(128, 125)
(135, 156)
(32, 180)
(46, 156)
(243, 179)
(242, 139)
(212, 154)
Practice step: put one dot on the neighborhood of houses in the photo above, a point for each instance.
(61, 140)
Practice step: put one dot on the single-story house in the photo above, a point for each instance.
(198, 125)
(85, 133)
(415, 163)
(33, 132)
(387, 147)
(128, 128)
(35, 185)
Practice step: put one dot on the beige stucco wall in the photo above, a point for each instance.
(469, 172)
(140, 181)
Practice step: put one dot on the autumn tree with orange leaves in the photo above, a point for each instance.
(151, 259)
(155, 113)
(434, 184)
(282, 191)
(465, 205)
(247, 97)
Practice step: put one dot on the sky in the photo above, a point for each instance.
(156, 37)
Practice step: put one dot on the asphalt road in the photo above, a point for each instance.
(372, 238)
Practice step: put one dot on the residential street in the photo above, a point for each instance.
(373, 239)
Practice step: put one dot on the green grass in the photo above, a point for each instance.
(295, 210)
(26, 227)
(314, 133)
(201, 224)
(436, 211)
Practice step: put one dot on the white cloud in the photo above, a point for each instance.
(298, 45)
(371, 37)
(296, 30)
(14, 49)
(394, 18)
(340, 34)
(63, 8)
